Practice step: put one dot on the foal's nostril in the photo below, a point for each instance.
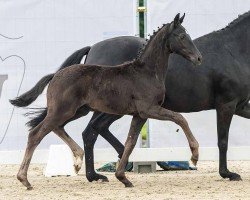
(200, 59)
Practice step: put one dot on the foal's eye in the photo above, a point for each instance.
(182, 36)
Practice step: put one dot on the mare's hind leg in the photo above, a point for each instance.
(225, 114)
(103, 128)
(135, 127)
(244, 112)
(77, 151)
(34, 138)
(99, 123)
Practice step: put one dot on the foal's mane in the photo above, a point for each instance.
(145, 46)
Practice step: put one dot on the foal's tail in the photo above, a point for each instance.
(30, 96)
(40, 114)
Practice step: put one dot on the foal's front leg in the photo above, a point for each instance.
(160, 113)
(135, 127)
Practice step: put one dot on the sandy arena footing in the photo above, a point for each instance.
(202, 184)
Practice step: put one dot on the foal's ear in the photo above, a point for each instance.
(182, 18)
(177, 20)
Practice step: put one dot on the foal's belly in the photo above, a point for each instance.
(112, 104)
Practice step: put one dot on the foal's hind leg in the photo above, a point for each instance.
(77, 151)
(99, 123)
(157, 112)
(133, 134)
(51, 122)
(34, 138)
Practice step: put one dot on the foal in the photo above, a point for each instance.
(135, 88)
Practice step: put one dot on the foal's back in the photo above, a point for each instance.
(105, 88)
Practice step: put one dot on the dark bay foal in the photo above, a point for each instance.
(135, 88)
(219, 67)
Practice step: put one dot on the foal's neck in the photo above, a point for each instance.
(156, 54)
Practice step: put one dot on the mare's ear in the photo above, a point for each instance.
(176, 20)
(182, 18)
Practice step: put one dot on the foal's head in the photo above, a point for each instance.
(179, 42)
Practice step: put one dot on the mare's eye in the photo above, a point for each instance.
(182, 36)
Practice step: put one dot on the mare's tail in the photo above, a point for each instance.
(30, 96)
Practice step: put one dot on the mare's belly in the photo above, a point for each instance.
(189, 98)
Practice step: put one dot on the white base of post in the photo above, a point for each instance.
(60, 162)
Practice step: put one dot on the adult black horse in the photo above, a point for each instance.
(222, 82)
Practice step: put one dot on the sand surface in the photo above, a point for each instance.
(202, 184)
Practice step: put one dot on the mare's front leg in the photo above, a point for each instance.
(135, 127)
(225, 114)
(160, 113)
(77, 151)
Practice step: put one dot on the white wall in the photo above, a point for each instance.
(48, 31)
(201, 18)
(44, 33)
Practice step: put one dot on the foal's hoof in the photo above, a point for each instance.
(235, 177)
(29, 188)
(192, 166)
(77, 164)
(77, 169)
(194, 160)
(128, 185)
(23, 179)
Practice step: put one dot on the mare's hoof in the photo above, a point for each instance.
(101, 178)
(97, 177)
(235, 177)
(104, 179)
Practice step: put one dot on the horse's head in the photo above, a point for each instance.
(179, 41)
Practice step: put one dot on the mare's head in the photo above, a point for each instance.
(179, 42)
